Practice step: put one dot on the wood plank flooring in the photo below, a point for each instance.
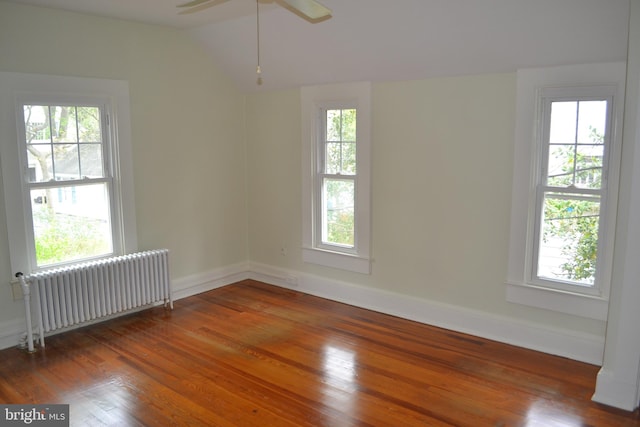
(250, 354)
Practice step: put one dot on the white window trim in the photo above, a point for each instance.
(313, 98)
(521, 288)
(18, 87)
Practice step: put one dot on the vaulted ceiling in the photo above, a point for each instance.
(385, 40)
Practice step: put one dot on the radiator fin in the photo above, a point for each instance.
(84, 292)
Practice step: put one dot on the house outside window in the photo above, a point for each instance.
(336, 176)
(564, 199)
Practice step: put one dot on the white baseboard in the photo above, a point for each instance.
(583, 347)
(202, 282)
(577, 346)
(616, 392)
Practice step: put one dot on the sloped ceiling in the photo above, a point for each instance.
(386, 40)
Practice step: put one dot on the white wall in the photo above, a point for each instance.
(187, 132)
(442, 170)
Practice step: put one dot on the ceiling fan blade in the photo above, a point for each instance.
(309, 8)
(193, 3)
(198, 5)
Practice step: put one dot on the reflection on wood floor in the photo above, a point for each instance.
(251, 354)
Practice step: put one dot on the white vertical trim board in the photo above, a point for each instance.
(618, 382)
(617, 392)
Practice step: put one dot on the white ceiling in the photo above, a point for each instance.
(386, 40)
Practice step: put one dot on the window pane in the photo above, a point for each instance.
(63, 123)
(70, 223)
(592, 119)
(36, 120)
(561, 165)
(349, 158)
(589, 166)
(40, 162)
(66, 162)
(569, 238)
(333, 158)
(334, 131)
(91, 161)
(338, 212)
(563, 122)
(349, 125)
(89, 124)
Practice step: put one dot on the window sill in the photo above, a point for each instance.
(337, 260)
(561, 301)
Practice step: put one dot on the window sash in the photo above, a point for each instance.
(325, 223)
(322, 223)
(71, 223)
(570, 192)
(106, 178)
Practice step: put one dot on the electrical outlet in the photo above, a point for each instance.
(283, 251)
(16, 289)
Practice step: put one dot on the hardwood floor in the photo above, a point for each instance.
(251, 354)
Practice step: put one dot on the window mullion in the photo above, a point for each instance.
(53, 157)
(68, 183)
(338, 176)
(575, 142)
(573, 190)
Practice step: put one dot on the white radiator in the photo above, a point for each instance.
(85, 292)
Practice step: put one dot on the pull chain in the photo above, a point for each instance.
(258, 70)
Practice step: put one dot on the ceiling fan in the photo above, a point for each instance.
(308, 9)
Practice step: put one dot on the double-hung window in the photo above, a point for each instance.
(571, 191)
(66, 170)
(566, 167)
(336, 176)
(68, 181)
(336, 181)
